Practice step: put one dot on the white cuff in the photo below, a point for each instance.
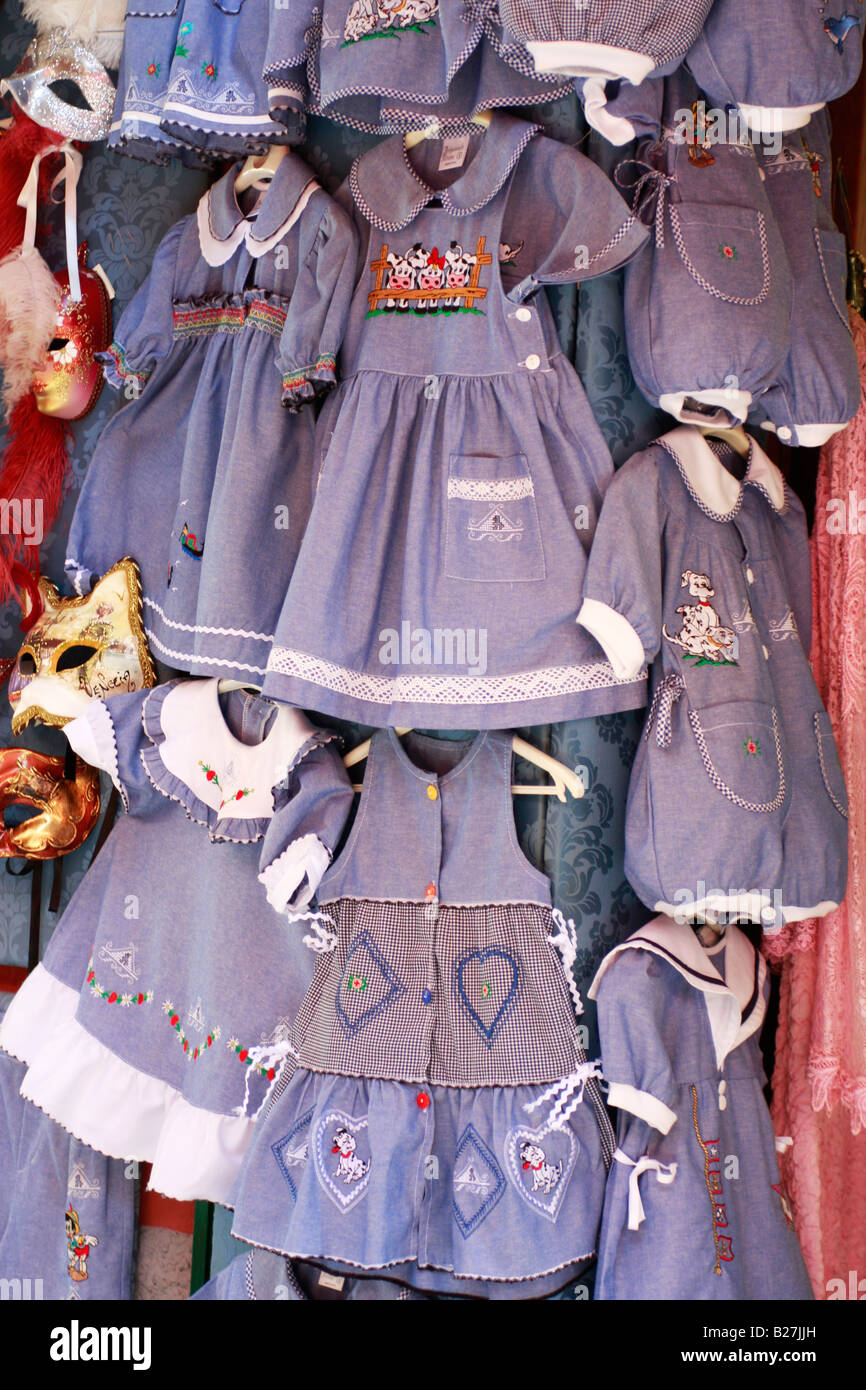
(731, 405)
(770, 120)
(282, 878)
(643, 1105)
(622, 646)
(577, 58)
(617, 129)
(91, 736)
(807, 436)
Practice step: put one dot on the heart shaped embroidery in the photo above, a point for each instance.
(487, 982)
(540, 1163)
(342, 1157)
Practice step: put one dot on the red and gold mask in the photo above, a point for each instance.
(68, 382)
(68, 809)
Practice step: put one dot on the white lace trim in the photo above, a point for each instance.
(444, 690)
(478, 490)
(284, 874)
(122, 1112)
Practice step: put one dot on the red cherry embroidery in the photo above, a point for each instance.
(112, 998)
(243, 1054)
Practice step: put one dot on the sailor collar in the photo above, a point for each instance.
(223, 226)
(716, 491)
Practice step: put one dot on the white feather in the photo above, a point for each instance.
(29, 305)
(98, 24)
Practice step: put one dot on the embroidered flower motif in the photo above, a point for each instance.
(358, 982)
(729, 252)
(192, 1051)
(181, 51)
(236, 796)
(243, 1055)
(153, 69)
(486, 990)
(111, 996)
(752, 746)
(209, 70)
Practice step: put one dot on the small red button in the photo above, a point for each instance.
(431, 890)
(422, 1100)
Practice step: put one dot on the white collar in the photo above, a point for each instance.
(735, 1006)
(197, 742)
(223, 227)
(710, 482)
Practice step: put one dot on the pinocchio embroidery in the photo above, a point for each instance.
(428, 281)
(713, 1177)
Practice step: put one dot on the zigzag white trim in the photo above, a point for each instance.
(203, 660)
(215, 631)
(444, 690)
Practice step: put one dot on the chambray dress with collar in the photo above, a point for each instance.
(205, 477)
(162, 1011)
(190, 83)
(708, 306)
(695, 1206)
(817, 391)
(737, 801)
(779, 60)
(461, 466)
(386, 65)
(419, 1137)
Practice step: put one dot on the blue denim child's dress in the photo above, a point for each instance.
(461, 466)
(204, 477)
(442, 1125)
(386, 65)
(737, 802)
(162, 1012)
(695, 1206)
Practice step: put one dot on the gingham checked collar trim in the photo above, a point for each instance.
(735, 1004)
(390, 194)
(471, 746)
(717, 491)
(227, 222)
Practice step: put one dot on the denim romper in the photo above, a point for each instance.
(442, 1125)
(680, 1034)
(461, 466)
(386, 65)
(162, 1011)
(817, 391)
(778, 60)
(737, 802)
(708, 306)
(204, 477)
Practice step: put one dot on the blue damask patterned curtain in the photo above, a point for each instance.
(125, 208)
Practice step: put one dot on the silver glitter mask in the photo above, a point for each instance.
(56, 57)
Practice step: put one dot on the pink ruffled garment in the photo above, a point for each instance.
(819, 1084)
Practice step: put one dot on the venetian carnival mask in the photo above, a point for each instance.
(81, 649)
(68, 808)
(58, 57)
(68, 381)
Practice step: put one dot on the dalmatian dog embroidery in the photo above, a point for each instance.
(350, 1168)
(702, 637)
(545, 1176)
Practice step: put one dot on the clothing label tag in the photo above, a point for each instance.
(454, 152)
(331, 1281)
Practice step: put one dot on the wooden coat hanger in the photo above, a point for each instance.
(564, 779)
(259, 168)
(735, 436)
(433, 130)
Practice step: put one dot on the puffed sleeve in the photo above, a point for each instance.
(311, 809)
(622, 589)
(625, 112)
(292, 36)
(144, 332)
(637, 1067)
(319, 306)
(564, 221)
(109, 735)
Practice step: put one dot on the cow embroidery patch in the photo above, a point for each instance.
(426, 280)
(388, 19)
(703, 638)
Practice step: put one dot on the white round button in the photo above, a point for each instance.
(524, 315)
(750, 576)
(784, 432)
(533, 361)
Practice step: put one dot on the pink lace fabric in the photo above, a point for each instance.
(819, 1083)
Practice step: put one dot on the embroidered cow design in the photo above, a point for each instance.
(703, 637)
(434, 280)
(545, 1176)
(350, 1168)
(383, 19)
